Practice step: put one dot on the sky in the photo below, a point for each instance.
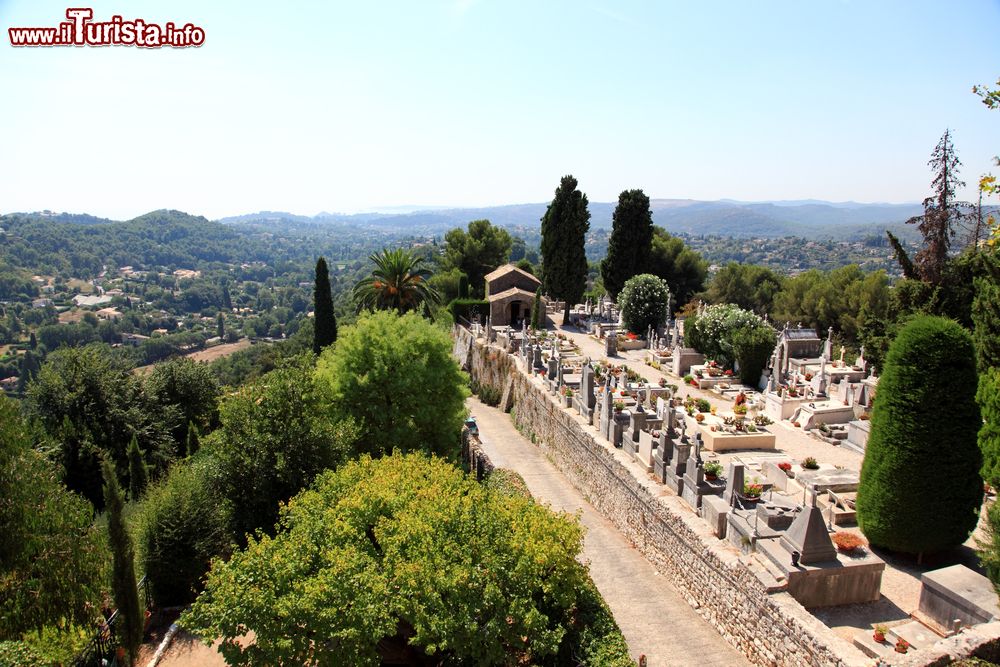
(310, 106)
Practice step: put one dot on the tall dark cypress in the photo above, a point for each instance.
(564, 231)
(138, 476)
(325, 322)
(123, 583)
(630, 242)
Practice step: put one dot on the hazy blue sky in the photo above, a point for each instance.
(345, 106)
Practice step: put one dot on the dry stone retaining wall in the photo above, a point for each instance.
(770, 628)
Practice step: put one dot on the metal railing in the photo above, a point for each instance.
(100, 650)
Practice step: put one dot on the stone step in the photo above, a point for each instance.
(865, 640)
(915, 633)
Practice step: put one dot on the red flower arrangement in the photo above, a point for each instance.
(785, 466)
(728, 372)
(631, 336)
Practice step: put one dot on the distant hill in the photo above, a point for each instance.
(775, 219)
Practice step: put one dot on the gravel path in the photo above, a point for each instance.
(654, 618)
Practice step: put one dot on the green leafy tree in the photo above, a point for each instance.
(274, 438)
(988, 398)
(476, 252)
(630, 242)
(398, 282)
(748, 286)
(683, 268)
(93, 402)
(989, 548)
(181, 524)
(51, 555)
(564, 232)
(325, 322)
(643, 303)
(421, 559)
(124, 586)
(394, 374)
(930, 371)
(138, 476)
(942, 212)
(187, 391)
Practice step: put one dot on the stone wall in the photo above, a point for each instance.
(768, 626)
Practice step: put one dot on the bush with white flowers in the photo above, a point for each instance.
(727, 333)
(643, 302)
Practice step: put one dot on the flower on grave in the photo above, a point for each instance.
(809, 376)
(728, 373)
(785, 466)
(631, 336)
(752, 489)
(699, 417)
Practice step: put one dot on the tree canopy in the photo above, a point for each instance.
(745, 285)
(564, 232)
(275, 437)
(403, 555)
(477, 252)
(630, 242)
(52, 557)
(920, 488)
(395, 376)
(683, 268)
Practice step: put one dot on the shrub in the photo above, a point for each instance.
(711, 332)
(18, 654)
(643, 302)
(809, 463)
(989, 548)
(752, 346)
(180, 526)
(926, 398)
(467, 308)
(703, 405)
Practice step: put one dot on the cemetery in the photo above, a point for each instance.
(718, 482)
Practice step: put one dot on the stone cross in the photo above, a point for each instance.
(842, 350)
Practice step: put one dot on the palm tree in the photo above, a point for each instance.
(398, 282)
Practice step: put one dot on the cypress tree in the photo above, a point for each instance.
(138, 476)
(920, 487)
(220, 324)
(123, 582)
(564, 231)
(986, 320)
(33, 341)
(193, 439)
(325, 322)
(463, 286)
(630, 242)
(537, 318)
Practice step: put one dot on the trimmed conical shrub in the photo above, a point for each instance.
(920, 485)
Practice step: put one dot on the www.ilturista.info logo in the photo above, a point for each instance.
(80, 30)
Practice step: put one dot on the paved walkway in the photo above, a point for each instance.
(654, 618)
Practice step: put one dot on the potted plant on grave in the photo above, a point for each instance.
(786, 468)
(740, 410)
(619, 406)
(752, 491)
(663, 382)
(879, 634)
(568, 396)
(700, 417)
(712, 470)
(809, 463)
(902, 645)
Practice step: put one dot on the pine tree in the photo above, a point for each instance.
(942, 212)
(123, 582)
(630, 242)
(138, 475)
(920, 487)
(537, 317)
(325, 322)
(193, 439)
(564, 231)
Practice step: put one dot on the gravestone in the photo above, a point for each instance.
(809, 536)
(674, 475)
(611, 344)
(735, 477)
(585, 399)
(605, 411)
(636, 424)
